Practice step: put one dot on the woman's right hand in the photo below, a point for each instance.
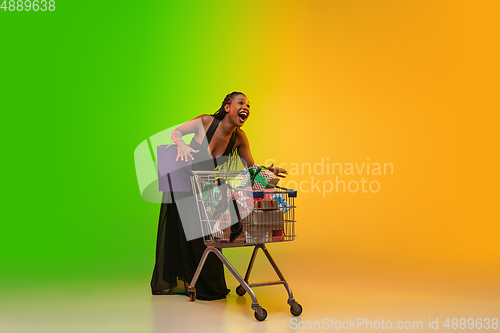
(277, 170)
(184, 151)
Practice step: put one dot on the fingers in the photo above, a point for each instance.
(185, 154)
(277, 171)
(281, 170)
(191, 150)
(180, 154)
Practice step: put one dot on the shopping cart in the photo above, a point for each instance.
(265, 216)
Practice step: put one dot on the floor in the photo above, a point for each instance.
(94, 307)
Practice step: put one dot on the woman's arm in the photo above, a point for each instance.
(194, 126)
(244, 148)
(246, 155)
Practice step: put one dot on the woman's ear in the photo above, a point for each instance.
(226, 108)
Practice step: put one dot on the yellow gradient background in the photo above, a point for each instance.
(392, 82)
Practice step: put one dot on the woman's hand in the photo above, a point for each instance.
(277, 170)
(184, 151)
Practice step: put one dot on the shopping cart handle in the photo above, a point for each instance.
(256, 194)
(291, 193)
(260, 194)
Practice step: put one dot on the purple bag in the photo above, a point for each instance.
(178, 170)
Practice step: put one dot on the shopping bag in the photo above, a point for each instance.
(172, 175)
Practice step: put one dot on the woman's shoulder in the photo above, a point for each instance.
(240, 132)
(241, 137)
(206, 119)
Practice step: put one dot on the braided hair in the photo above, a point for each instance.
(221, 113)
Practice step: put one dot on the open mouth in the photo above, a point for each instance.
(243, 115)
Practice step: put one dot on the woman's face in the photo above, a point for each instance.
(238, 110)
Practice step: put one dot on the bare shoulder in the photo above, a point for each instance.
(241, 137)
(206, 119)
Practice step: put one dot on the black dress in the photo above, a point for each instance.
(177, 258)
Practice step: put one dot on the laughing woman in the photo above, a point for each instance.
(218, 138)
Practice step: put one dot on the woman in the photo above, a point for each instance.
(218, 138)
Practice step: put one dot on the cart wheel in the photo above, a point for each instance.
(296, 309)
(264, 315)
(192, 295)
(240, 290)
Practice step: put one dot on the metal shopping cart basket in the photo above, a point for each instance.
(265, 216)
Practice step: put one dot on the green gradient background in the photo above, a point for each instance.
(410, 83)
(81, 87)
